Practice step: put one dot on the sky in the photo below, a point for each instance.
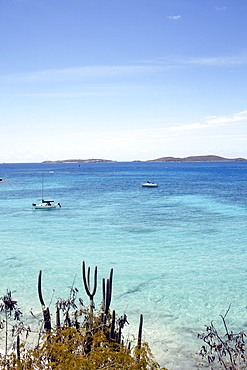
(122, 79)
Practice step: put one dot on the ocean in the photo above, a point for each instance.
(178, 251)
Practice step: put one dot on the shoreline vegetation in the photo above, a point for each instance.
(82, 337)
(79, 336)
(199, 158)
(75, 336)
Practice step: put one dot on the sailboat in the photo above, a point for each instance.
(46, 204)
(149, 184)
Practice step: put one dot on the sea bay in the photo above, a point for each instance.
(178, 251)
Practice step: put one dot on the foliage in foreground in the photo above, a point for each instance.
(64, 349)
(227, 350)
(81, 338)
(86, 339)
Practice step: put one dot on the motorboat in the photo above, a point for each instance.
(149, 184)
(46, 204)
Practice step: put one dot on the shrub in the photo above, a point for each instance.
(228, 349)
(81, 338)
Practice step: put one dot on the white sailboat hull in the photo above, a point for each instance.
(149, 185)
(46, 206)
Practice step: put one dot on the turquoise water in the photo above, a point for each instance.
(178, 251)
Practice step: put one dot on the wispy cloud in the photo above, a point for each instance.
(68, 95)
(79, 73)
(211, 122)
(214, 60)
(86, 73)
(191, 126)
(218, 60)
(174, 17)
(220, 9)
(182, 60)
(222, 120)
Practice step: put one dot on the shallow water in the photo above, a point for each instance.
(178, 251)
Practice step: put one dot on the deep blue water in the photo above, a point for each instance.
(178, 251)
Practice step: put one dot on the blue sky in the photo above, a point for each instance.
(122, 79)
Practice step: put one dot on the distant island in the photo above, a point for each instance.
(81, 161)
(199, 158)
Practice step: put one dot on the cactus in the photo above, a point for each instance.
(139, 336)
(103, 292)
(107, 292)
(86, 281)
(112, 331)
(39, 290)
(46, 312)
(67, 320)
(140, 331)
(47, 320)
(18, 347)
(58, 323)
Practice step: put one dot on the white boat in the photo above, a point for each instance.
(46, 204)
(149, 184)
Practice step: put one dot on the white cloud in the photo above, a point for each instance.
(210, 122)
(237, 117)
(172, 61)
(192, 126)
(220, 9)
(174, 17)
(222, 60)
(218, 60)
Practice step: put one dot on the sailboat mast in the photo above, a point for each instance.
(42, 187)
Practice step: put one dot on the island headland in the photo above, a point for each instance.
(198, 158)
(81, 161)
